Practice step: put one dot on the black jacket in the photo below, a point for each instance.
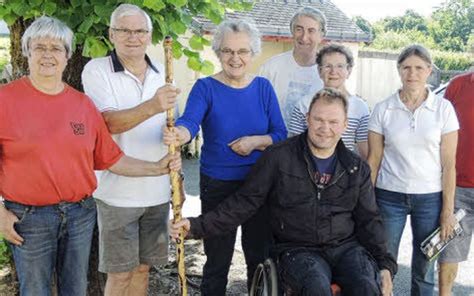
(303, 214)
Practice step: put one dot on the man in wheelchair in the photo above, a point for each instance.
(323, 213)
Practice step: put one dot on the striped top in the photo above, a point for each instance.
(358, 118)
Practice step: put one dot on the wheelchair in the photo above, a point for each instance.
(265, 282)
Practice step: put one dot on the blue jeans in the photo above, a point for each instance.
(424, 211)
(57, 239)
(310, 272)
(256, 239)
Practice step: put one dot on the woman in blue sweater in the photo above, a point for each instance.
(240, 117)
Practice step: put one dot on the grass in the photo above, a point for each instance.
(5, 253)
(4, 51)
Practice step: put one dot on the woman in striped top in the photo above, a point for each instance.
(335, 65)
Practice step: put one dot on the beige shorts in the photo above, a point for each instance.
(129, 237)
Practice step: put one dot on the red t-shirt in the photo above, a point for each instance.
(50, 145)
(460, 92)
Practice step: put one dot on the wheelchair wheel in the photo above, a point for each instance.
(265, 280)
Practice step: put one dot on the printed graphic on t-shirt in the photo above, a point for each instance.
(324, 169)
(322, 179)
(296, 90)
(77, 128)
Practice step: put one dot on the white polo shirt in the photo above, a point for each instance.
(112, 87)
(411, 160)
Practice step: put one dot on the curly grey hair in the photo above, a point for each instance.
(237, 26)
(335, 48)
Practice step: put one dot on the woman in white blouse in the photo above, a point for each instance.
(412, 147)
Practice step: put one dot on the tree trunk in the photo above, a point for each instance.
(72, 76)
(18, 61)
(72, 73)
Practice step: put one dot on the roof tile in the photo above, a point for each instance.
(272, 18)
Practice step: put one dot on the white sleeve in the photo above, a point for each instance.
(97, 87)
(264, 71)
(451, 122)
(376, 119)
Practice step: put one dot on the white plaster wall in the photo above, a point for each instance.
(377, 78)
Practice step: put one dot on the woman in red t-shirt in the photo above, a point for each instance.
(52, 139)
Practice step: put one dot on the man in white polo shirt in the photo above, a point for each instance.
(130, 91)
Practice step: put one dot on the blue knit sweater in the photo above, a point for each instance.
(226, 114)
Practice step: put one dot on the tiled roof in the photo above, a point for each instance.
(272, 18)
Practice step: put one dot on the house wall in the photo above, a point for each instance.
(377, 76)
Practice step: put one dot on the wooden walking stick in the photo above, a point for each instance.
(176, 179)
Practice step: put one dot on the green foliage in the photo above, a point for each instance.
(407, 22)
(445, 60)
(449, 27)
(89, 19)
(4, 52)
(448, 33)
(452, 25)
(398, 40)
(470, 43)
(5, 253)
(363, 24)
(451, 60)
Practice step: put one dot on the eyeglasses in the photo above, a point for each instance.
(243, 52)
(337, 67)
(54, 50)
(123, 33)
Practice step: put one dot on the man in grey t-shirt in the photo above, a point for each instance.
(294, 74)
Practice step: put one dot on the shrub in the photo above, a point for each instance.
(446, 60)
(4, 52)
(397, 40)
(5, 253)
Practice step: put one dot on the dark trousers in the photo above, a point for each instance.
(311, 272)
(256, 238)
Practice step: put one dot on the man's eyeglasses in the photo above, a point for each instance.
(243, 52)
(337, 67)
(122, 33)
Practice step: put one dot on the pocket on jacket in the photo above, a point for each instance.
(294, 189)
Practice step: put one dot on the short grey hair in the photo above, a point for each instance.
(330, 95)
(415, 50)
(47, 27)
(310, 12)
(237, 26)
(335, 48)
(126, 9)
